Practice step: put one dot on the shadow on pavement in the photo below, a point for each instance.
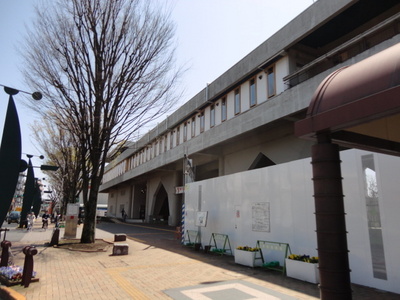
(165, 237)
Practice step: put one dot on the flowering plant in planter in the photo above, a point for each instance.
(247, 248)
(246, 255)
(304, 258)
(302, 267)
(13, 273)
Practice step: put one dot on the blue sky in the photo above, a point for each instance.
(212, 36)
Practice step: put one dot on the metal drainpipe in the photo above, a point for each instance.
(330, 221)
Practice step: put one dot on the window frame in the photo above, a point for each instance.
(178, 135)
(271, 88)
(202, 121)
(237, 101)
(252, 92)
(224, 109)
(212, 115)
(185, 131)
(193, 127)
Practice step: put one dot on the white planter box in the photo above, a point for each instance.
(302, 270)
(246, 258)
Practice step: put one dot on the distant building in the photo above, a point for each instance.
(102, 204)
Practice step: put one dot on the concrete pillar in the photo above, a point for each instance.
(221, 165)
(175, 205)
(330, 220)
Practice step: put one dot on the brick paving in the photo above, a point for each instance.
(145, 273)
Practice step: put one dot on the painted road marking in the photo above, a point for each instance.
(126, 285)
(116, 275)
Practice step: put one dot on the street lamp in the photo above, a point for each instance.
(11, 91)
(10, 152)
(32, 194)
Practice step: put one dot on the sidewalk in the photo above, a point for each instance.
(151, 271)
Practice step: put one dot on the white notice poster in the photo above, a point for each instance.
(201, 219)
(260, 217)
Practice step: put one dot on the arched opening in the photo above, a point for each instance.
(139, 201)
(161, 205)
(261, 161)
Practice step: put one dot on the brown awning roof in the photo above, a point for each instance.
(359, 105)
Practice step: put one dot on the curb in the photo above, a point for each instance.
(9, 294)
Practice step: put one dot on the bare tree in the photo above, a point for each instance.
(60, 150)
(105, 69)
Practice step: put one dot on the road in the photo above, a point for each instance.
(159, 235)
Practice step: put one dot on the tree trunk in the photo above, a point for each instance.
(89, 224)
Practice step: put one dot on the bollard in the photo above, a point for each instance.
(5, 245)
(5, 232)
(119, 237)
(55, 237)
(120, 249)
(29, 252)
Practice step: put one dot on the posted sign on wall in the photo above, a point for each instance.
(260, 217)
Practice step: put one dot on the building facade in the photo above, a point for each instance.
(245, 119)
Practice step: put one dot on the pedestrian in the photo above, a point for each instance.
(29, 219)
(45, 220)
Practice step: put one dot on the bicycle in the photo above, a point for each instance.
(29, 225)
(45, 223)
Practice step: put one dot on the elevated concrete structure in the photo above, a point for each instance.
(325, 37)
(245, 119)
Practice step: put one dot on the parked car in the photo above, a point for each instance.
(13, 217)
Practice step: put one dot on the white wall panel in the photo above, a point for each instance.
(289, 190)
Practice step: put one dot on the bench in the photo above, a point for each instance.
(119, 237)
(120, 249)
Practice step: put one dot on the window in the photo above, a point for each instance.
(212, 116)
(178, 135)
(202, 121)
(271, 81)
(165, 143)
(253, 95)
(374, 217)
(223, 109)
(237, 101)
(171, 140)
(193, 126)
(185, 131)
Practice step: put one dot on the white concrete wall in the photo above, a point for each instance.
(289, 191)
(116, 198)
